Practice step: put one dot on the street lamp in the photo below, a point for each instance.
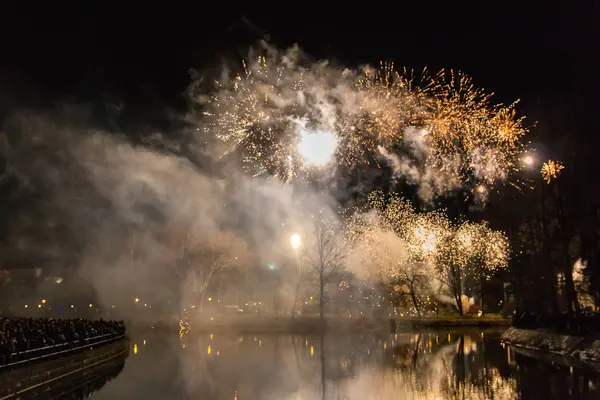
(528, 160)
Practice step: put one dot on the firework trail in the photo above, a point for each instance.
(288, 117)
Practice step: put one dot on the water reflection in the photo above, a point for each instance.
(427, 365)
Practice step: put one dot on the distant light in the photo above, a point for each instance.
(212, 318)
(135, 349)
(58, 280)
(144, 342)
(481, 188)
(210, 299)
(528, 160)
(39, 306)
(26, 306)
(43, 301)
(113, 306)
(137, 300)
(208, 350)
(311, 297)
(72, 306)
(91, 305)
(312, 351)
(145, 305)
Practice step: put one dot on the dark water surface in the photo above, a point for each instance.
(425, 365)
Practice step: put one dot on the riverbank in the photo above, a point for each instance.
(47, 376)
(585, 349)
(281, 324)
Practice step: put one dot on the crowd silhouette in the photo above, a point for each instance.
(26, 335)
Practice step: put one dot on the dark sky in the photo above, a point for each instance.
(514, 48)
(544, 52)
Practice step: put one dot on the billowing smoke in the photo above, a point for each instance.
(415, 166)
(133, 217)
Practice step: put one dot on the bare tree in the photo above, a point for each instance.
(200, 256)
(449, 265)
(325, 252)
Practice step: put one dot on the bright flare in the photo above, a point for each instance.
(296, 241)
(317, 148)
(528, 160)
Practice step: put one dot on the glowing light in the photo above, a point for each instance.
(317, 148)
(26, 306)
(39, 306)
(528, 160)
(144, 342)
(296, 241)
(91, 305)
(312, 351)
(72, 306)
(43, 301)
(137, 300)
(210, 299)
(481, 189)
(135, 349)
(208, 350)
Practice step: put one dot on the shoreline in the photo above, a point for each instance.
(315, 325)
(544, 343)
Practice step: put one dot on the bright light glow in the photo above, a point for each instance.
(137, 300)
(528, 160)
(296, 241)
(317, 148)
(43, 301)
(481, 188)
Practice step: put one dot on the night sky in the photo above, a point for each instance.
(143, 54)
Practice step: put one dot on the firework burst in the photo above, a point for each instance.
(284, 116)
(551, 170)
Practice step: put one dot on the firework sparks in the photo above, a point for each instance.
(428, 239)
(551, 170)
(283, 116)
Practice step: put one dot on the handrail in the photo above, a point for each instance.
(58, 345)
(87, 343)
(83, 368)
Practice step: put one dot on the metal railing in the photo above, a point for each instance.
(41, 353)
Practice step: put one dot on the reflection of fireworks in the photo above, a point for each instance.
(264, 114)
(551, 170)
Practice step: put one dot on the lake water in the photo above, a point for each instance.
(421, 365)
